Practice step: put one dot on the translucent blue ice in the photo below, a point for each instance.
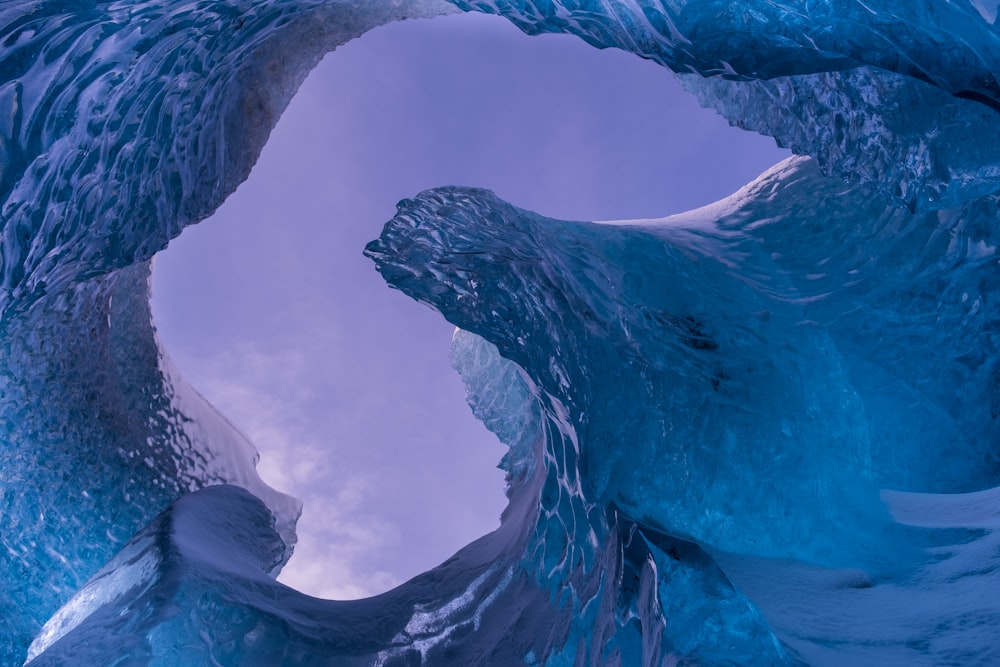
(750, 378)
(762, 432)
(120, 123)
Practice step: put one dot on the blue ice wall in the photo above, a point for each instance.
(750, 302)
(762, 432)
(99, 434)
(120, 122)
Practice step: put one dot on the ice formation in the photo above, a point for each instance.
(762, 432)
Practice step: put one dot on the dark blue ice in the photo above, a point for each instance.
(762, 432)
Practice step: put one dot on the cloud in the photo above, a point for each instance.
(263, 392)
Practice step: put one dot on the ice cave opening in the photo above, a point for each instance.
(758, 432)
(270, 310)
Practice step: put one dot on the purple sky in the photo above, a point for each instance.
(271, 311)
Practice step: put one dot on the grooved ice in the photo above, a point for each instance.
(762, 432)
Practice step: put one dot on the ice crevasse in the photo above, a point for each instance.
(761, 432)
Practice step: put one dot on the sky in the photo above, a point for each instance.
(270, 310)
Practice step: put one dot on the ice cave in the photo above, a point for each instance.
(762, 432)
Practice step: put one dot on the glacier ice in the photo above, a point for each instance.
(761, 432)
(122, 122)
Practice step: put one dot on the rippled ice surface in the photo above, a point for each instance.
(762, 432)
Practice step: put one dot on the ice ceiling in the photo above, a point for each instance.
(761, 432)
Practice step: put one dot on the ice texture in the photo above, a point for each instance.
(99, 434)
(748, 379)
(762, 432)
(120, 123)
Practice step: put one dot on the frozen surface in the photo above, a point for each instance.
(121, 122)
(762, 432)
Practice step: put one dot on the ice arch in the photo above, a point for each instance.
(392, 113)
(124, 122)
(699, 317)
